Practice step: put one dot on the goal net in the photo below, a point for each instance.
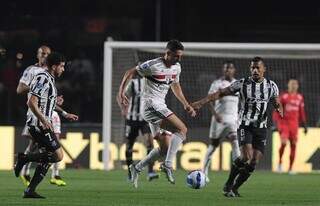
(201, 64)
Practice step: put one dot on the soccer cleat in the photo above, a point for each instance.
(152, 176)
(169, 173)
(32, 195)
(19, 164)
(134, 175)
(57, 180)
(229, 194)
(207, 179)
(26, 179)
(290, 172)
(236, 193)
(280, 168)
(226, 189)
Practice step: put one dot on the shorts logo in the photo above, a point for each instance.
(242, 133)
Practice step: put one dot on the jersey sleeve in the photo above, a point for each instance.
(39, 85)
(129, 88)
(26, 77)
(236, 86)
(177, 79)
(213, 88)
(144, 69)
(274, 90)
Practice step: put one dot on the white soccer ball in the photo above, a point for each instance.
(196, 179)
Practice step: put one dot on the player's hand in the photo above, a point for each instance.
(218, 118)
(122, 99)
(280, 111)
(124, 110)
(305, 131)
(60, 100)
(46, 125)
(196, 105)
(71, 117)
(190, 110)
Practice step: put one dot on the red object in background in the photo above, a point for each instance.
(293, 107)
(95, 25)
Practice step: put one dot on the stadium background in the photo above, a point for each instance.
(80, 33)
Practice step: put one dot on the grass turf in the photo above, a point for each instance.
(89, 187)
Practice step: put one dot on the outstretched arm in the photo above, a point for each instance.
(122, 99)
(212, 97)
(177, 91)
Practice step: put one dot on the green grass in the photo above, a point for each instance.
(96, 188)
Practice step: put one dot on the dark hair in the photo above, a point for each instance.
(228, 62)
(257, 59)
(174, 45)
(54, 58)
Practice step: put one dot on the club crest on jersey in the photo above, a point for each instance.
(39, 85)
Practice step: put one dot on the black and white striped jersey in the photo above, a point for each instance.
(134, 90)
(254, 99)
(42, 86)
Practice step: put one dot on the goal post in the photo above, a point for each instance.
(201, 64)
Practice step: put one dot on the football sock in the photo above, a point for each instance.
(150, 165)
(235, 170)
(151, 157)
(244, 174)
(176, 141)
(207, 159)
(292, 155)
(235, 149)
(39, 174)
(55, 170)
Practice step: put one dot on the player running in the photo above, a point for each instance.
(41, 103)
(160, 75)
(224, 117)
(23, 88)
(135, 123)
(255, 93)
(293, 105)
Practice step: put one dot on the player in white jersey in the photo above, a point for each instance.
(23, 88)
(224, 117)
(160, 75)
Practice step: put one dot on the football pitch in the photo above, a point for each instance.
(89, 187)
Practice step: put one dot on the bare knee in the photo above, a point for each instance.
(59, 154)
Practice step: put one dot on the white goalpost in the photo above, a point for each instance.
(201, 63)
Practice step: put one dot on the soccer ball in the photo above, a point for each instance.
(196, 179)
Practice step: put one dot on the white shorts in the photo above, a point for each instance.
(153, 112)
(56, 123)
(222, 130)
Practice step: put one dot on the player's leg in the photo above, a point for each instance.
(178, 136)
(253, 153)
(145, 130)
(52, 153)
(245, 136)
(284, 135)
(25, 172)
(131, 134)
(214, 143)
(55, 174)
(293, 144)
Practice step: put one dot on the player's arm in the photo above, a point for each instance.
(302, 116)
(177, 91)
(22, 88)
(213, 97)
(33, 105)
(276, 101)
(69, 116)
(122, 99)
(128, 92)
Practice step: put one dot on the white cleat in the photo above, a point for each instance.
(134, 175)
(280, 168)
(207, 179)
(292, 172)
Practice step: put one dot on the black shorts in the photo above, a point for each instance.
(132, 128)
(45, 138)
(252, 135)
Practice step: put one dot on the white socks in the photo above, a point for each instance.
(207, 159)
(174, 145)
(235, 149)
(55, 170)
(153, 155)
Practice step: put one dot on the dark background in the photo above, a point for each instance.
(79, 28)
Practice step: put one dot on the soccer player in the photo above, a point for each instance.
(23, 88)
(224, 117)
(293, 105)
(41, 103)
(135, 123)
(160, 75)
(255, 93)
